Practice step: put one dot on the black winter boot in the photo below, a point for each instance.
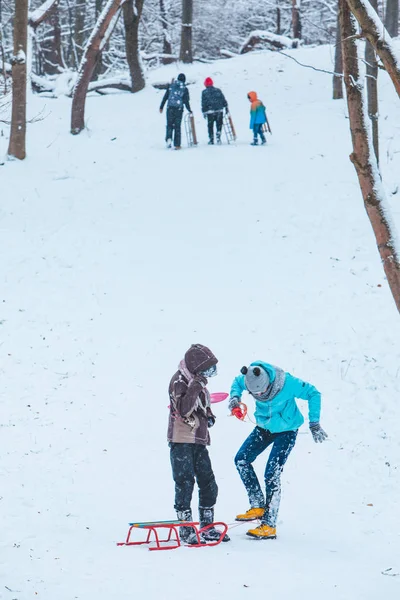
(187, 534)
(206, 516)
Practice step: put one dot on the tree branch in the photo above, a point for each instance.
(375, 32)
(36, 17)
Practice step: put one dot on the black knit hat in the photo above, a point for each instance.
(182, 77)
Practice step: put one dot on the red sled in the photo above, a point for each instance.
(171, 528)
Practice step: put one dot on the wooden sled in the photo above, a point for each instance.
(190, 130)
(266, 126)
(229, 128)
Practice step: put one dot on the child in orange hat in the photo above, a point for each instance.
(257, 118)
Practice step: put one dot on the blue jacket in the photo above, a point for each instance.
(282, 413)
(257, 114)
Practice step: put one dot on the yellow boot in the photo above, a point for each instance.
(263, 532)
(251, 514)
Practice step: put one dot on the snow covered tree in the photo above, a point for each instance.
(165, 29)
(79, 27)
(363, 155)
(337, 79)
(40, 14)
(372, 28)
(372, 89)
(186, 53)
(392, 17)
(3, 67)
(48, 53)
(16, 147)
(296, 21)
(132, 11)
(164, 34)
(104, 27)
(167, 47)
(99, 68)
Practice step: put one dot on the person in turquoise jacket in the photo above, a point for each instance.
(278, 419)
(258, 117)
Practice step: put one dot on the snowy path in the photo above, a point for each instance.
(116, 256)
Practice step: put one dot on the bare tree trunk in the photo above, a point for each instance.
(51, 46)
(372, 89)
(186, 53)
(338, 81)
(102, 31)
(392, 17)
(373, 29)
(278, 21)
(167, 47)
(363, 157)
(296, 21)
(55, 21)
(132, 12)
(16, 146)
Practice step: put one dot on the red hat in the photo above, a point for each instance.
(208, 82)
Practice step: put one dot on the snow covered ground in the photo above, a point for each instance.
(116, 256)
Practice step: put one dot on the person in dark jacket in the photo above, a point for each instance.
(177, 96)
(213, 104)
(190, 418)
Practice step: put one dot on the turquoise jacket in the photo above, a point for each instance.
(282, 413)
(257, 115)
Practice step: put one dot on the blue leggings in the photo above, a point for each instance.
(253, 446)
(258, 131)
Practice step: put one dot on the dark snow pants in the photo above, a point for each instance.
(190, 462)
(257, 442)
(217, 118)
(174, 121)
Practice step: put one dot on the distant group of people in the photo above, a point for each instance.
(213, 106)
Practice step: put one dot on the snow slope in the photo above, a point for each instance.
(116, 256)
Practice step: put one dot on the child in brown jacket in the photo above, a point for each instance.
(188, 436)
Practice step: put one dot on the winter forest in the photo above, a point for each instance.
(153, 29)
(199, 350)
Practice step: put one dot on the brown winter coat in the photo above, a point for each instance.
(188, 416)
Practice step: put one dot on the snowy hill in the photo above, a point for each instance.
(117, 255)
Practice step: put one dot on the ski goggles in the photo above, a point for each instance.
(210, 372)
